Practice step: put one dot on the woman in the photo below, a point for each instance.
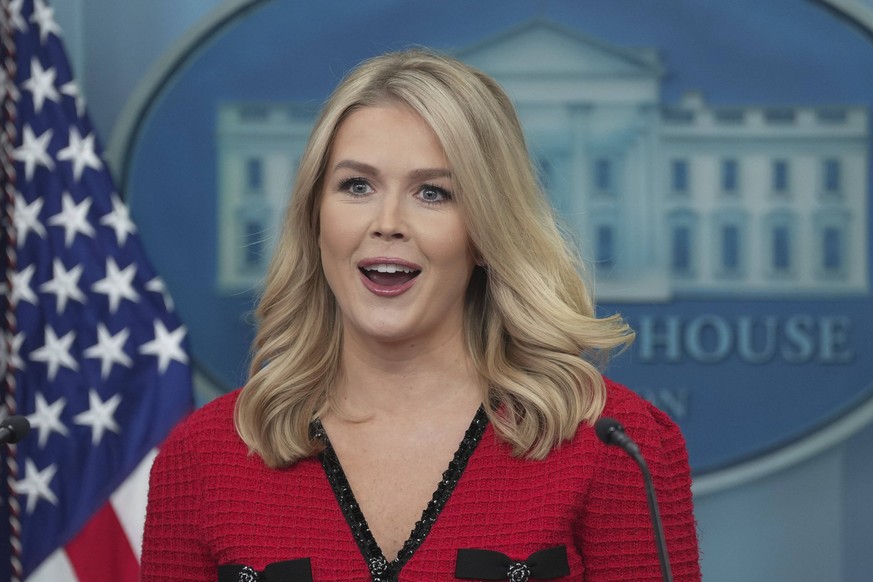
(421, 296)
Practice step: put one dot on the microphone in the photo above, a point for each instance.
(611, 432)
(13, 429)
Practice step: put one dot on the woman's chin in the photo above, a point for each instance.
(393, 333)
(380, 332)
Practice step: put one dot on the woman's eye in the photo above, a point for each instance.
(356, 186)
(434, 194)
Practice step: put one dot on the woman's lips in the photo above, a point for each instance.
(388, 277)
(385, 289)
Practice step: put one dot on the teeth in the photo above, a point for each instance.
(389, 268)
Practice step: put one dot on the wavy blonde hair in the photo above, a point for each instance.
(528, 314)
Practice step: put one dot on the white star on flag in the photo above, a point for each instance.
(36, 485)
(27, 218)
(77, 275)
(119, 220)
(99, 416)
(166, 346)
(71, 89)
(64, 284)
(47, 418)
(21, 286)
(56, 352)
(80, 152)
(73, 218)
(110, 349)
(45, 18)
(33, 151)
(157, 285)
(41, 84)
(117, 284)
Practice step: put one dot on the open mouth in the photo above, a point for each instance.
(389, 274)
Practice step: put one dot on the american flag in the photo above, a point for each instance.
(92, 352)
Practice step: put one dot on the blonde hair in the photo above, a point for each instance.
(530, 326)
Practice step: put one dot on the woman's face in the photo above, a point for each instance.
(394, 247)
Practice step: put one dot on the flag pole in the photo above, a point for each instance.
(8, 137)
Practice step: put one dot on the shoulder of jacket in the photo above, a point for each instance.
(640, 417)
(213, 418)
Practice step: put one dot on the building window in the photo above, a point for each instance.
(832, 228)
(603, 178)
(832, 250)
(832, 115)
(253, 246)
(780, 254)
(780, 116)
(682, 254)
(780, 182)
(832, 176)
(730, 249)
(254, 175)
(605, 246)
(730, 116)
(679, 176)
(781, 250)
(680, 250)
(730, 176)
(678, 116)
(254, 113)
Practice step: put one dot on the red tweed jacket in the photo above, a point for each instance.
(211, 504)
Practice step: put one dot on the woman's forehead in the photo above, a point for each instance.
(376, 137)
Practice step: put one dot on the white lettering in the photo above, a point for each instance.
(834, 340)
(800, 346)
(710, 339)
(674, 402)
(660, 333)
(746, 339)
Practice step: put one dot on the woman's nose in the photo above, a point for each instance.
(390, 219)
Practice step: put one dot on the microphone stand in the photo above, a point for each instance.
(612, 433)
(663, 557)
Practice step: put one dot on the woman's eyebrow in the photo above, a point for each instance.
(356, 166)
(430, 174)
(415, 175)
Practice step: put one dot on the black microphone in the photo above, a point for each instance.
(13, 429)
(611, 432)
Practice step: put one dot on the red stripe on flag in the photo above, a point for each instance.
(101, 550)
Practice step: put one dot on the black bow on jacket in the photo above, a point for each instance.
(490, 565)
(298, 570)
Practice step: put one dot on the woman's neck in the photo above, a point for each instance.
(403, 378)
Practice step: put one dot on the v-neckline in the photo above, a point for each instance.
(381, 569)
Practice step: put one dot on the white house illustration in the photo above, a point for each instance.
(667, 200)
